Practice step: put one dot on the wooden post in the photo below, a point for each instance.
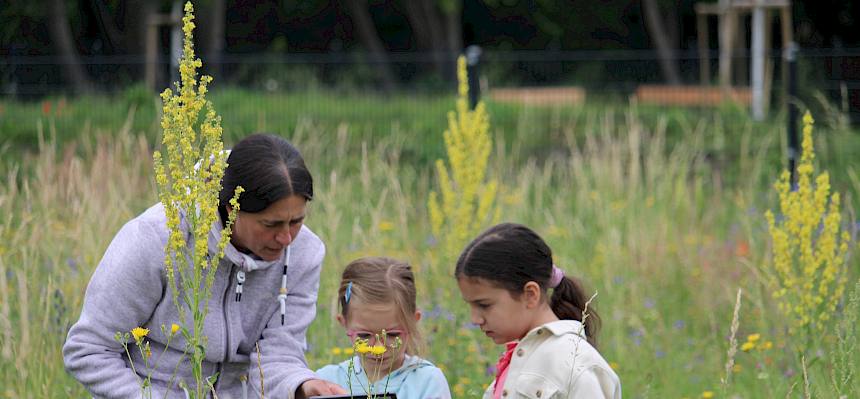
(727, 28)
(757, 64)
(704, 60)
(787, 45)
(768, 62)
(151, 72)
(150, 67)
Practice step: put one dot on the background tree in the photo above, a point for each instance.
(663, 28)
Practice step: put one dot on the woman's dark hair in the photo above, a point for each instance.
(510, 255)
(269, 168)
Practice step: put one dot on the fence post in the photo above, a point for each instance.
(791, 103)
(176, 36)
(473, 57)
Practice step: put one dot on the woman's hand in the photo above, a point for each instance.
(317, 388)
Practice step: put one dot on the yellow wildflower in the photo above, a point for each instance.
(465, 202)
(614, 365)
(766, 345)
(377, 350)
(385, 225)
(138, 333)
(361, 346)
(748, 346)
(707, 395)
(336, 351)
(753, 337)
(808, 250)
(348, 351)
(188, 171)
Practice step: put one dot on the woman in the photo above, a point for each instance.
(129, 288)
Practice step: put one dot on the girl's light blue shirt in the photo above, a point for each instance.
(415, 379)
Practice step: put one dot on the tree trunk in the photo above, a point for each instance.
(370, 38)
(135, 16)
(658, 30)
(108, 25)
(454, 36)
(216, 37)
(437, 32)
(61, 35)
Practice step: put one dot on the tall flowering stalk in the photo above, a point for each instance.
(189, 180)
(809, 250)
(467, 196)
(363, 348)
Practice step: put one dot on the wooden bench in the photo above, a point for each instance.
(569, 95)
(700, 96)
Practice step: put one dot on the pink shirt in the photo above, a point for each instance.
(502, 369)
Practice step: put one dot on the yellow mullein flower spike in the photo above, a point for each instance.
(466, 200)
(189, 168)
(808, 271)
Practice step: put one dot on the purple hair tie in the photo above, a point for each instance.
(557, 276)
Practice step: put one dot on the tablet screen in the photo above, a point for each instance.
(377, 396)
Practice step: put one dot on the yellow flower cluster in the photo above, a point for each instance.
(459, 388)
(361, 346)
(808, 248)
(138, 333)
(467, 198)
(345, 351)
(753, 342)
(188, 173)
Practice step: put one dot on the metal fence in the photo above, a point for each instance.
(524, 76)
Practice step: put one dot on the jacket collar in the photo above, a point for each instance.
(561, 327)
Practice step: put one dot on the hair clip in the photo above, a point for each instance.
(348, 293)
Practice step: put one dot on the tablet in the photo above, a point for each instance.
(377, 396)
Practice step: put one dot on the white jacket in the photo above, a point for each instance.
(555, 361)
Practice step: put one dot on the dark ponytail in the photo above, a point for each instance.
(568, 301)
(510, 255)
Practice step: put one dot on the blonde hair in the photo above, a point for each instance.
(381, 280)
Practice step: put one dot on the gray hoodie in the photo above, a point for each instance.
(129, 288)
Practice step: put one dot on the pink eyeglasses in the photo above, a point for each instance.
(390, 339)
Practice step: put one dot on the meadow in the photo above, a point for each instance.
(659, 211)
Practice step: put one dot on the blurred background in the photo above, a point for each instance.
(606, 48)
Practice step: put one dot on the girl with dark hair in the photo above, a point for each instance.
(264, 292)
(505, 275)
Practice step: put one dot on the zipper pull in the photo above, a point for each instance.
(240, 278)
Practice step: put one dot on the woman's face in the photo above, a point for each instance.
(268, 233)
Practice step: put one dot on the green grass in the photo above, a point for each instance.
(659, 211)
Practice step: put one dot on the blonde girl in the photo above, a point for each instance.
(377, 306)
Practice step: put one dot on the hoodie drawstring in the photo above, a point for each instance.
(240, 279)
(282, 296)
(282, 293)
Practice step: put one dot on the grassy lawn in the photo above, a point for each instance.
(660, 211)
